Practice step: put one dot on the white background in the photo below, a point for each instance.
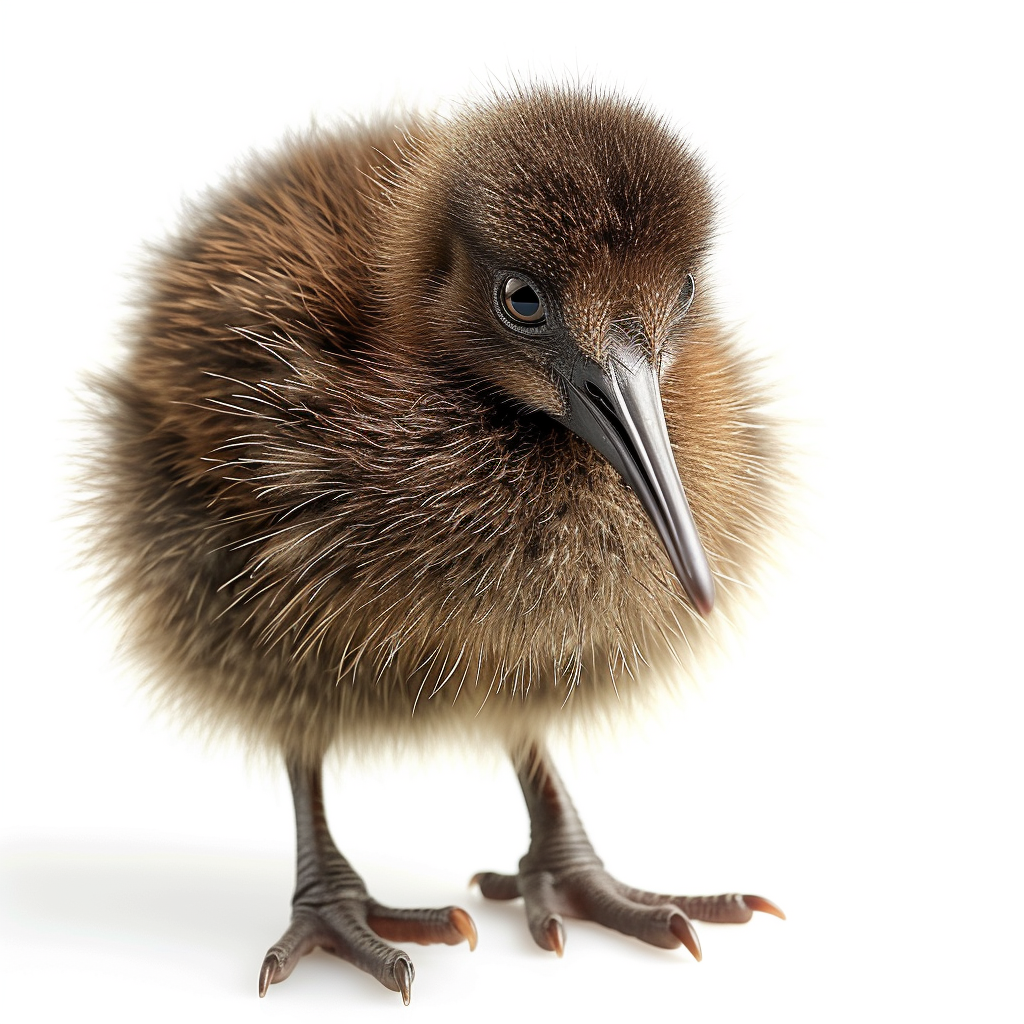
(857, 758)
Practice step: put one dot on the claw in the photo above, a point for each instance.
(271, 965)
(763, 905)
(403, 973)
(680, 926)
(463, 924)
(555, 934)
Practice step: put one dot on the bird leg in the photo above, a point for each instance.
(561, 874)
(332, 909)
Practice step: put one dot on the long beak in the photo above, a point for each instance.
(617, 408)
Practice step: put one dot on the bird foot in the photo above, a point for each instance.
(352, 925)
(332, 909)
(583, 889)
(561, 874)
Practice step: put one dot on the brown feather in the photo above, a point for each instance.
(329, 497)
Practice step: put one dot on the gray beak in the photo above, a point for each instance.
(616, 407)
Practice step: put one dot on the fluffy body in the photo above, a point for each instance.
(329, 496)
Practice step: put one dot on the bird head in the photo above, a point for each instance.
(547, 246)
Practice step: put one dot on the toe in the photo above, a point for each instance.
(302, 936)
(727, 908)
(544, 908)
(600, 898)
(450, 925)
(496, 886)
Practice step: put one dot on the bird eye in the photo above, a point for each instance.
(522, 303)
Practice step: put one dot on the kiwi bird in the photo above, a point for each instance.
(429, 431)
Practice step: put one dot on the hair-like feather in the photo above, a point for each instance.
(328, 494)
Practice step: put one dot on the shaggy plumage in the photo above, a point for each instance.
(333, 499)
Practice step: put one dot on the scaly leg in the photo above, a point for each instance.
(332, 909)
(561, 874)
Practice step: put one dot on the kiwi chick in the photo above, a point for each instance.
(426, 431)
